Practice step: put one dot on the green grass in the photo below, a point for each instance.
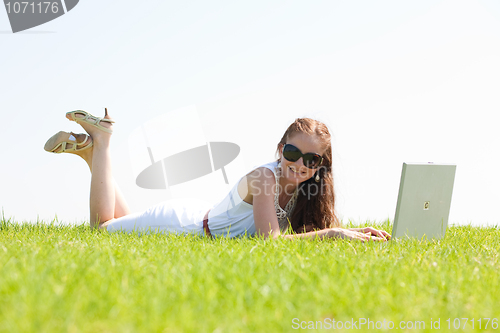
(73, 279)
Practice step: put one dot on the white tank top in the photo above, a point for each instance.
(232, 216)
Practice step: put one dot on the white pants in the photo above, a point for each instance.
(184, 216)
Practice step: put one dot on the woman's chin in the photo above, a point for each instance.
(295, 177)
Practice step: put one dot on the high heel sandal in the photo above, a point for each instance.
(90, 119)
(62, 140)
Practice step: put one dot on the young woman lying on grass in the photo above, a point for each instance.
(300, 180)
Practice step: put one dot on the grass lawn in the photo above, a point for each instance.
(73, 279)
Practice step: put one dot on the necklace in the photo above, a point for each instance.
(281, 213)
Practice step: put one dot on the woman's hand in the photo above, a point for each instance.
(362, 234)
(369, 231)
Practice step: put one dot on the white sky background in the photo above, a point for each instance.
(396, 81)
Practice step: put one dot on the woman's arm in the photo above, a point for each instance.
(261, 184)
(338, 233)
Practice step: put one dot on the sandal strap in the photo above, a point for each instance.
(74, 145)
(66, 145)
(90, 116)
(62, 145)
(84, 141)
(91, 120)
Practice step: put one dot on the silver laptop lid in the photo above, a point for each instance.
(424, 200)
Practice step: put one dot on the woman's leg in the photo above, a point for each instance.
(106, 200)
(121, 206)
(102, 184)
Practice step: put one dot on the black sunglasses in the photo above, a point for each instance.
(293, 154)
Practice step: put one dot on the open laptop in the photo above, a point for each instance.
(424, 200)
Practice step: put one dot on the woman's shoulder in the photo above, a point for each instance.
(259, 180)
(268, 170)
(273, 166)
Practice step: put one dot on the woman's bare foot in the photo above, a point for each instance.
(96, 127)
(76, 144)
(64, 142)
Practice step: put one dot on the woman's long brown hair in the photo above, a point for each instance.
(315, 207)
